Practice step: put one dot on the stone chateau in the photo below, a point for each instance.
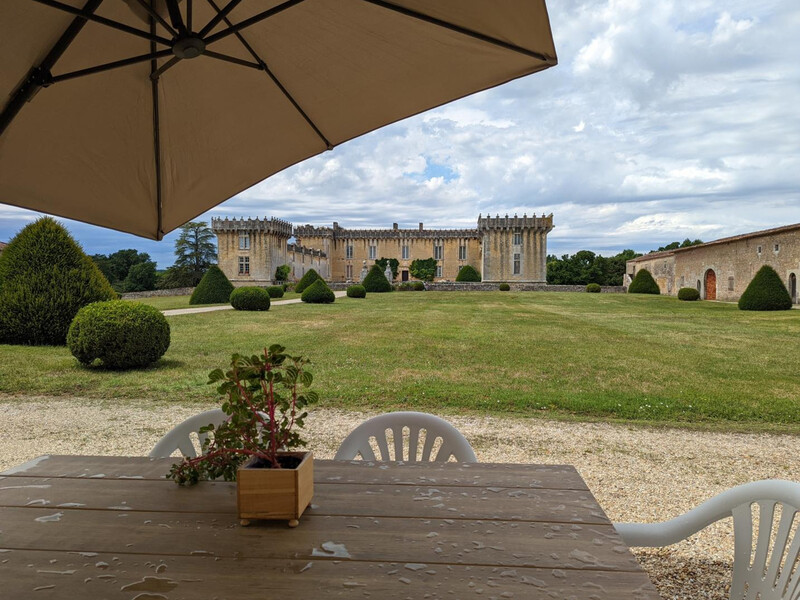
(722, 269)
(511, 249)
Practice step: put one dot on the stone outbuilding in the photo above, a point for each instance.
(722, 269)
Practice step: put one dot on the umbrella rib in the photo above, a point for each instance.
(176, 17)
(275, 80)
(89, 15)
(39, 76)
(156, 129)
(166, 66)
(221, 14)
(233, 59)
(112, 65)
(154, 13)
(462, 30)
(252, 21)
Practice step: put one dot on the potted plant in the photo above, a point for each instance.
(265, 399)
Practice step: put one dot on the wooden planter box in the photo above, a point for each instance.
(275, 494)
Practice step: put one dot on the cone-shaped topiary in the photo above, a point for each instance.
(688, 294)
(275, 291)
(376, 281)
(45, 278)
(766, 292)
(250, 298)
(643, 283)
(121, 334)
(356, 291)
(214, 288)
(468, 273)
(306, 280)
(318, 293)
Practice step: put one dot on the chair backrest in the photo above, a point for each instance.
(766, 562)
(388, 433)
(180, 437)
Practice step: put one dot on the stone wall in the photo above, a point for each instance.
(158, 293)
(516, 287)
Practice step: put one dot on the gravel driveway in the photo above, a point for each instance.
(637, 474)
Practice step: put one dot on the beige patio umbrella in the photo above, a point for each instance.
(139, 115)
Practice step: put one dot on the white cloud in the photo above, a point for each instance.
(727, 28)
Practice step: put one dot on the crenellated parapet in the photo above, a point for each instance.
(297, 249)
(395, 233)
(543, 223)
(274, 226)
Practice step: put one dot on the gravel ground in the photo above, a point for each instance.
(637, 474)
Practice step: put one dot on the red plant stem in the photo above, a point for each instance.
(193, 461)
(272, 424)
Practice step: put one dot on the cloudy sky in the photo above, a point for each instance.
(662, 121)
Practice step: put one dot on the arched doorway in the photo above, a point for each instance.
(793, 287)
(711, 285)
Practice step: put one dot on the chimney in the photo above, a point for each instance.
(420, 226)
(394, 226)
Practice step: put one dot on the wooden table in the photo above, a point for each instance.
(113, 527)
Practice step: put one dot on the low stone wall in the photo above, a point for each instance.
(158, 293)
(516, 287)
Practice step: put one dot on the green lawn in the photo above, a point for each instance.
(588, 356)
(173, 302)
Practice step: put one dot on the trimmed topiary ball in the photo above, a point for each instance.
(688, 294)
(503, 287)
(766, 292)
(419, 286)
(593, 288)
(275, 291)
(306, 280)
(45, 278)
(376, 281)
(468, 273)
(318, 293)
(120, 334)
(356, 291)
(643, 283)
(250, 298)
(214, 288)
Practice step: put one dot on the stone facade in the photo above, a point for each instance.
(722, 269)
(512, 249)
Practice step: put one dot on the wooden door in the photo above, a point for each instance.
(711, 285)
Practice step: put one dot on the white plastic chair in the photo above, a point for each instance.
(453, 443)
(180, 436)
(764, 571)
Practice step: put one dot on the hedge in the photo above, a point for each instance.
(250, 298)
(306, 280)
(45, 279)
(318, 293)
(214, 288)
(468, 273)
(356, 291)
(688, 294)
(766, 292)
(376, 281)
(120, 334)
(643, 283)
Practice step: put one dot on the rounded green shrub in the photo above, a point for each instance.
(593, 288)
(275, 291)
(376, 282)
(45, 279)
(643, 283)
(318, 293)
(250, 298)
(766, 292)
(503, 287)
(214, 288)
(418, 286)
(468, 273)
(356, 291)
(120, 334)
(306, 280)
(688, 294)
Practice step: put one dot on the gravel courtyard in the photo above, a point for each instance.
(637, 474)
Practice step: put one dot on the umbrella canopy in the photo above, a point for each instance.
(140, 115)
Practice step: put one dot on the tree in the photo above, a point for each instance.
(141, 277)
(468, 273)
(175, 277)
(376, 281)
(766, 292)
(118, 265)
(306, 280)
(195, 249)
(423, 268)
(586, 267)
(643, 283)
(282, 273)
(675, 245)
(214, 288)
(393, 263)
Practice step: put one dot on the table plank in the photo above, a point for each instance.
(476, 542)
(360, 472)
(122, 576)
(570, 506)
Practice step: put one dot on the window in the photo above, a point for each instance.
(758, 250)
(438, 270)
(348, 251)
(730, 284)
(516, 263)
(405, 251)
(349, 273)
(462, 253)
(373, 252)
(244, 241)
(777, 247)
(437, 250)
(244, 265)
(517, 238)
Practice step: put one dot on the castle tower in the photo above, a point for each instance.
(514, 249)
(249, 250)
